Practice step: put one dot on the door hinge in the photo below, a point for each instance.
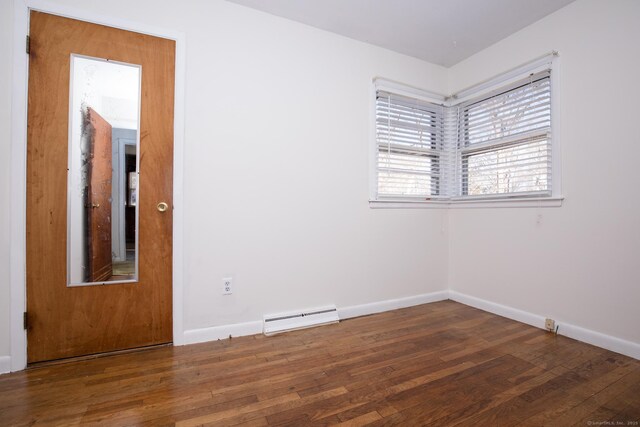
(25, 320)
(28, 45)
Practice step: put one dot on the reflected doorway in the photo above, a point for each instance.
(124, 193)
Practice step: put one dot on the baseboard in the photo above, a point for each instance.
(5, 364)
(193, 336)
(391, 304)
(499, 309)
(628, 348)
(598, 339)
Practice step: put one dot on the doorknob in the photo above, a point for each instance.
(95, 205)
(162, 206)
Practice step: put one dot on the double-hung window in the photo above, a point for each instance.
(409, 145)
(504, 140)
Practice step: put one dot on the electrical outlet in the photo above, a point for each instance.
(227, 288)
(550, 324)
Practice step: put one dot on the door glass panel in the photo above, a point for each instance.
(103, 191)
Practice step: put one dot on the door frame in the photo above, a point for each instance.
(18, 172)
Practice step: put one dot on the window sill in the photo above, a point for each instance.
(519, 202)
(409, 204)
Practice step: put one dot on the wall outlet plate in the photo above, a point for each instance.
(227, 286)
(550, 324)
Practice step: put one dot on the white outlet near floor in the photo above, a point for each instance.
(550, 324)
(227, 288)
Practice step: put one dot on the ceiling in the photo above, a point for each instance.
(442, 32)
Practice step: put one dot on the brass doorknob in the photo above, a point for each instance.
(162, 206)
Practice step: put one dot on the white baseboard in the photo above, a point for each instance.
(391, 304)
(193, 336)
(598, 339)
(628, 348)
(5, 364)
(499, 309)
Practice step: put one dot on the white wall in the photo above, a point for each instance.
(276, 167)
(580, 264)
(276, 179)
(6, 14)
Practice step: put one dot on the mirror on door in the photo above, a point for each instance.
(103, 191)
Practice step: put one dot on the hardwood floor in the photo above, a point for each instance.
(436, 364)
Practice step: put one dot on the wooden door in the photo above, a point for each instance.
(99, 197)
(72, 321)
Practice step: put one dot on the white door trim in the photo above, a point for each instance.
(20, 73)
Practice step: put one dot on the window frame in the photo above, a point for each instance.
(552, 198)
(399, 89)
(466, 149)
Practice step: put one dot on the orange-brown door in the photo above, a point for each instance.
(72, 321)
(99, 193)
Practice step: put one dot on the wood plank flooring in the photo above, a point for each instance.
(441, 364)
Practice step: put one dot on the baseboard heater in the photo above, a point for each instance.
(276, 323)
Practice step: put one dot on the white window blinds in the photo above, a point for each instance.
(504, 140)
(490, 141)
(409, 141)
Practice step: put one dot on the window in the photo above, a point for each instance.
(409, 142)
(504, 140)
(490, 142)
